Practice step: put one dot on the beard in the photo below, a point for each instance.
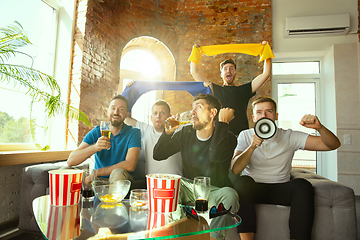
(200, 125)
(118, 122)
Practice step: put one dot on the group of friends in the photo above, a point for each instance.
(216, 144)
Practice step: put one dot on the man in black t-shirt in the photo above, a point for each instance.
(206, 145)
(206, 148)
(230, 95)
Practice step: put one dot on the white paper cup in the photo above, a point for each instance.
(65, 186)
(163, 192)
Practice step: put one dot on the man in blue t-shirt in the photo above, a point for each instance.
(115, 157)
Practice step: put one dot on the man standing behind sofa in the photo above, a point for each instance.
(266, 166)
(150, 134)
(115, 158)
(231, 95)
(206, 149)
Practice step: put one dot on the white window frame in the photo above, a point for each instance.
(301, 78)
(59, 68)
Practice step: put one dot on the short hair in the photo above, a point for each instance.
(122, 98)
(226, 62)
(212, 101)
(262, 100)
(162, 103)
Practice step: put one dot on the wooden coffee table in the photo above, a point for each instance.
(94, 220)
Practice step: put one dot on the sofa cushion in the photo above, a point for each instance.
(335, 212)
(334, 217)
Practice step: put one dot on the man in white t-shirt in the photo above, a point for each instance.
(265, 166)
(149, 136)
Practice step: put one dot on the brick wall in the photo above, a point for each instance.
(223, 22)
(95, 68)
(104, 29)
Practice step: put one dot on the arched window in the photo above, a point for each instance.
(141, 64)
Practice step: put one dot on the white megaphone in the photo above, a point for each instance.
(265, 128)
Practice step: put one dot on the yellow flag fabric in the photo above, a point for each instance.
(254, 49)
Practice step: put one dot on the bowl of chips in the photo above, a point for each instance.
(111, 192)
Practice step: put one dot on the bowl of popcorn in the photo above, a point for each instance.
(111, 192)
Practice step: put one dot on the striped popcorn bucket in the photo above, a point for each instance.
(163, 192)
(63, 222)
(156, 224)
(65, 186)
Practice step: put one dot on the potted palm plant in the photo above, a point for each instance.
(41, 88)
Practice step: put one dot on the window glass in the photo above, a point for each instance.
(15, 107)
(294, 101)
(141, 65)
(139, 60)
(296, 68)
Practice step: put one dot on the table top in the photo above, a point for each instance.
(94, 220)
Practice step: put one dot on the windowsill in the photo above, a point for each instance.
(27, 157)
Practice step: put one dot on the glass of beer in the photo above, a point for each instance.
(87, 191)
(184, 118)
(105, 129)
(201, 193)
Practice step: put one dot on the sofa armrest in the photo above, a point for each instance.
(335, 207)
(306, 174)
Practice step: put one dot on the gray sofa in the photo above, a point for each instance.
(335, 213)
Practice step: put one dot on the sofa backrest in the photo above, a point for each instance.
(140, 167)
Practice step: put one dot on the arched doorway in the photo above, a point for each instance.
(145, 59)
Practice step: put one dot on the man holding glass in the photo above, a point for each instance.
(206, 148)
(115, 157)
(150, 134)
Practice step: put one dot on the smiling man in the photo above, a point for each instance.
(206, 149)
(230, 95)
(118, 162)
(150, 134)
(266, 166)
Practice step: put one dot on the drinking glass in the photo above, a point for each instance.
(201, 193)
(139, 199)
(87, 191)
(105, 129)
(181, 119)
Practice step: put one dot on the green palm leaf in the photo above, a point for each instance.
(39, 86)
(12, 37)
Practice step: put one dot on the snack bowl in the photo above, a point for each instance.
(111, 192)
(112, 216)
